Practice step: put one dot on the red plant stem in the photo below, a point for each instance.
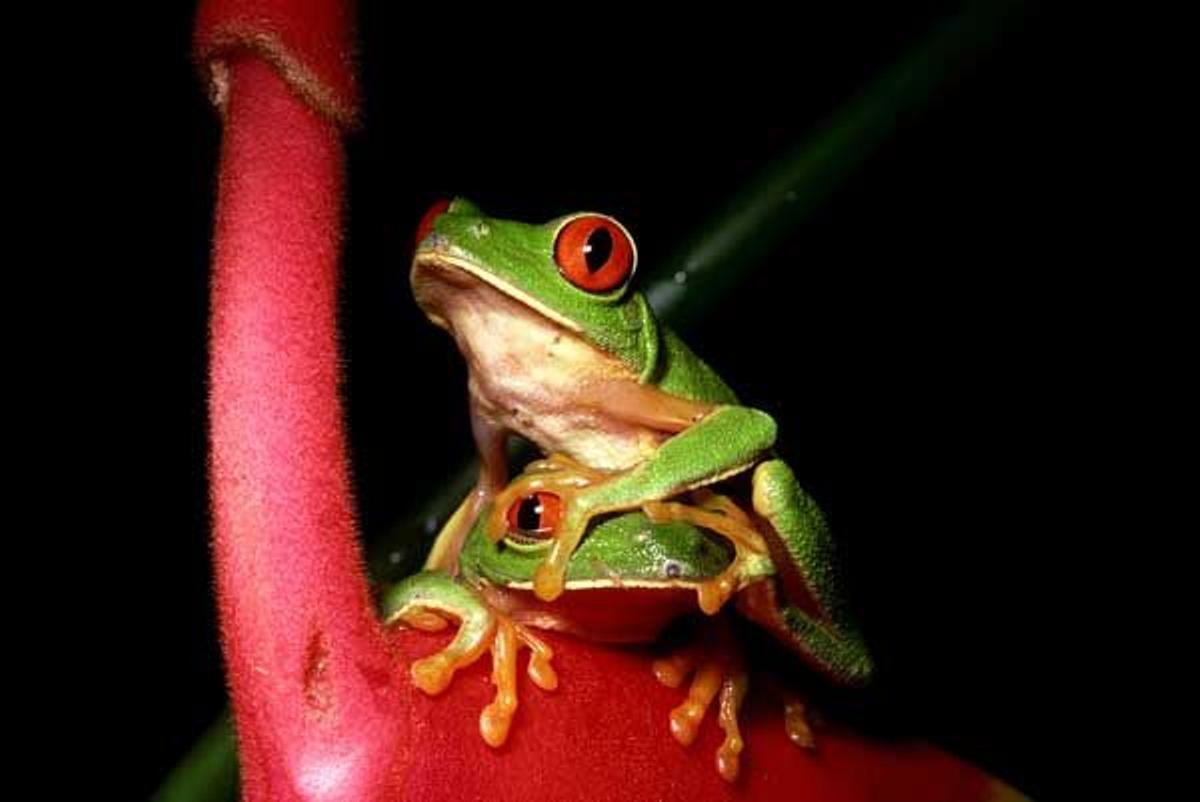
(315, 710)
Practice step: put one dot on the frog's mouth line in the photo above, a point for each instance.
(610, 582)
(530, 546)
(445, 263)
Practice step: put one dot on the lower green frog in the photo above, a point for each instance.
(631, 576)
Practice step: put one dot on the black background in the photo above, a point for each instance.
(926, 339)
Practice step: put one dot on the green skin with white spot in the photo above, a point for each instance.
(626, 550)
(518, 259)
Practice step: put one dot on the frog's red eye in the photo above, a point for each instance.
(535, 514)
(426, 225)
(594, 253)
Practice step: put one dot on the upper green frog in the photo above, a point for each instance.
(563, 351)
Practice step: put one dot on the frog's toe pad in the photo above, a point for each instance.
(432, 674)
(496, 719)
(716, 674)
(800, 721)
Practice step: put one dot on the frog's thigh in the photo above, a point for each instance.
(801, 528)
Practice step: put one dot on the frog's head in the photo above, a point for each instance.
(621, 551)
(573, 271)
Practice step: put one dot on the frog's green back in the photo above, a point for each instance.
(680, 372)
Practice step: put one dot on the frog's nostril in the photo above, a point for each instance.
(426, 225)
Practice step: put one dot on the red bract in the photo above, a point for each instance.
(323, 705)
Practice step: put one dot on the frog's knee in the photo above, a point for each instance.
(775, 488)
(747, 425)
(763, 426)
(415, 591)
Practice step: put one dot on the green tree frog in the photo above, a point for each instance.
(563, 352)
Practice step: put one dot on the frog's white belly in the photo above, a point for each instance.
(535, 378)
(584, 435)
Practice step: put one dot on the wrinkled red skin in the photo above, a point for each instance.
(323, 706)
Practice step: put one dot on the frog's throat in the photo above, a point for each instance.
(429, 260)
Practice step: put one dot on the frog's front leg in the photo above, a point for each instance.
(726, 441)
(722, 515)
(718, 672)
(425, 601)
(805, 608)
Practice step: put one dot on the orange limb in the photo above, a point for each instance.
(557, 473)
(496, 719)
(733, 693)
(564, 477)
(716, 671)
(719, 514)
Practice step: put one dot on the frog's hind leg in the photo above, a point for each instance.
(806, 609)
(425, 601)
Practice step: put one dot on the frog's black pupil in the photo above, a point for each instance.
(598, 249)
(529, 514)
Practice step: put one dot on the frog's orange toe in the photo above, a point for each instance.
(716, 670)
(797, 726)
(432, 674)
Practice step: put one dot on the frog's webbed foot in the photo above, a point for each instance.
(718, 671)
(563, 478)
(429, 601)
(722, 515)
(715, 671)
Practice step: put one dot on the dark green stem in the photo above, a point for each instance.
(209, 771)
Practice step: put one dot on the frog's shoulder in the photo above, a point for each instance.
(680, 372)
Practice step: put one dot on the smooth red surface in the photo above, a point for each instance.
(322, 701)
(603, 735)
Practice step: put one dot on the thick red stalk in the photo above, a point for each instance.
(307, 663)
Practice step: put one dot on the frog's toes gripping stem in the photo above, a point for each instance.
(425, 601)
(715, 670)
(718, 671)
